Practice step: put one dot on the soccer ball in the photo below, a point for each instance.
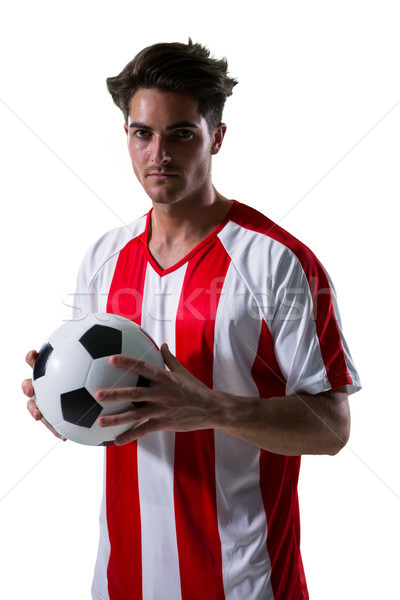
(74, 364)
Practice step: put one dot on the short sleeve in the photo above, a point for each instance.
(309, 343)
(84, 300)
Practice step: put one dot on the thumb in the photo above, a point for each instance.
(170, 360)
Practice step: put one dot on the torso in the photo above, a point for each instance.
(178, 507)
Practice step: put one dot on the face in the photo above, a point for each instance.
(171, 147)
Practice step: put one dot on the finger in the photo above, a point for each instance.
(140, 431)
(53, 431)
(170, 360)
(131, 394)
(37, 415)
(125, 418)
(33, 409)
(31, 357)
(139, 366)
(135, 415)
(27, 388)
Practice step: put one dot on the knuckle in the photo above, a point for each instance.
(31, 357)
(132, 414)
(148, 368)
(134, 393)
(145, 366)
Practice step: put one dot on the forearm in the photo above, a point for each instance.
(290, 425)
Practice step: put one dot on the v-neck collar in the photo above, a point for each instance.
(145, 236)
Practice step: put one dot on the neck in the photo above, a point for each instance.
(172, 224)
(175, 230)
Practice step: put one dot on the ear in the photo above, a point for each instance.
(218, 138)
(126, 128)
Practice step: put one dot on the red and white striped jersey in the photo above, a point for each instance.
(201, 515)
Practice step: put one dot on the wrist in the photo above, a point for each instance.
(232, 412)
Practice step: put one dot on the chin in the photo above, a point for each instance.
(163, 198)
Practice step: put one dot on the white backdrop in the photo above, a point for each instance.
(313, 141)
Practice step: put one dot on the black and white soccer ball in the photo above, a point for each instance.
(74, 364)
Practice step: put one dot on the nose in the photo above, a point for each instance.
(159, 152)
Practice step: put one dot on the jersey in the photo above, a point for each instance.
(249, 311)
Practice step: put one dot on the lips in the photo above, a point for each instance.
(161, 174)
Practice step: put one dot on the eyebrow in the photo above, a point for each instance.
(179, 125)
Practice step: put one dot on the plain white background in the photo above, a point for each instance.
(313, 142)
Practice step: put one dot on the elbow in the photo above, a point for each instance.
(340, 429)
(339, 443)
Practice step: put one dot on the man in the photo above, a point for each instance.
(201, 498)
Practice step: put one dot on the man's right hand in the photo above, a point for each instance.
(28, 390)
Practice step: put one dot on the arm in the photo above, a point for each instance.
(177, 401)
(290, 425)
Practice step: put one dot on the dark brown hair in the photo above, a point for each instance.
(182, 68)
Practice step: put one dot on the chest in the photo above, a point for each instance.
(196, 296)
(204, 308)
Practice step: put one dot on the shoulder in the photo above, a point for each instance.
(107, 247)
(250, 235)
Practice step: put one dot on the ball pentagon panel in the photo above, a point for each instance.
(78, 407)
(39, 369)
(102, 340)
(67, 369)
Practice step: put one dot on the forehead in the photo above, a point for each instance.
(151, 106)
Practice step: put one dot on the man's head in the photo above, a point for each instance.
(185, 69)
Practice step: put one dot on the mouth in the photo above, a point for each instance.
(160, 175)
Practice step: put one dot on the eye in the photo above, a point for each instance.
(184, 133)
(142, 133)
